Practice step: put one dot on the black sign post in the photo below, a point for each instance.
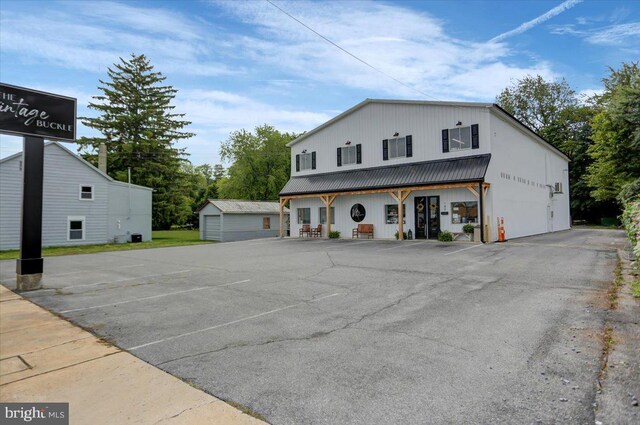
(35, 115)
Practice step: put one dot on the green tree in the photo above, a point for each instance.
(140, 129)
(539, 104)
(261, 164)
(201, 186)
(616, 134)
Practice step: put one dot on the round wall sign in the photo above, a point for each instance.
(357, 213)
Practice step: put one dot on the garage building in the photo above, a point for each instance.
(235, 220)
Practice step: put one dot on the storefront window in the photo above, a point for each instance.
(464, 212)
(304, 215)
(391, 212)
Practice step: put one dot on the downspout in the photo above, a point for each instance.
(481, 196)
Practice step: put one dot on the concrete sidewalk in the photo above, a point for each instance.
(44, 358)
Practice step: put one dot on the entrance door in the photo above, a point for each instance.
(421, 217)
(433, 219)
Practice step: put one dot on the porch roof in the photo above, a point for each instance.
(465, 169)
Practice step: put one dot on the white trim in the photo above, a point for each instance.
(76, 218)
(93, 190)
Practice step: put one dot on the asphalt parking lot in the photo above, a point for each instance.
(355, 331)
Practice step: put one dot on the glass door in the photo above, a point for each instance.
(433, 221)
(421, 217)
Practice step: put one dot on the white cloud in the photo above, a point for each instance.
(222, 112)
(418, 51)
(616, 34)
(95, 37)
(568, 4)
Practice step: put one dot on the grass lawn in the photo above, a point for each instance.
(161, 238)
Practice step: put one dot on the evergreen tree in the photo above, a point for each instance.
(140, 129)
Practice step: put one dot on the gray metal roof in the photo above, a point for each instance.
(454, 170)
(236, 206)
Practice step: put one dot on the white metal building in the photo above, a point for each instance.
(450, 163)
(81, 204)
(235, 220)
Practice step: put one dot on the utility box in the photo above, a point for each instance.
(476, 234)
(136, 237)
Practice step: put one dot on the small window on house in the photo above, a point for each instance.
(86, 193)
(75, 228)
(459, 139)
(266, 223)
(323, 215)
(391, 212)
(348, 155)
(397, 147)
(304, 215)
(306, 161)
(464, 212)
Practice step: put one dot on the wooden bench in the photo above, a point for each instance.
(305, 229)
(362, 229)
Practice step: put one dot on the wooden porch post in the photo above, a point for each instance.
(282, 202)
(328, 201)
(400, 197)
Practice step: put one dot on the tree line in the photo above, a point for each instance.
(137, 123)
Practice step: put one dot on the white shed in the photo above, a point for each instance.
(235, 220)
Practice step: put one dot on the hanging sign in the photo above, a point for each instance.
(27, 112)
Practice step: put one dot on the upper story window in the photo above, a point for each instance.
(397, 147)
(350, 155)
(306, 161)
(86, 193)
(460, 138)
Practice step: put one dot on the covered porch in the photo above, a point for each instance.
(389, 188)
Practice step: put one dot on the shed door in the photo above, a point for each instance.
(212, 227)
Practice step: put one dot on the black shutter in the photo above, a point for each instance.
(297, 162)
(445, 140)
(409, 147)
(339, 157)
(358, 154)
(475, 141)
(313, 160)
(385, 149)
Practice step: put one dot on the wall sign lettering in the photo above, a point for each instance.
(27, 112)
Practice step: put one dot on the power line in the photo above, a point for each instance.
(349, 53)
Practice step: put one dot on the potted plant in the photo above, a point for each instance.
(468, 230)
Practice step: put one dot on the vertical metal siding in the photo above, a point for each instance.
(377, 121)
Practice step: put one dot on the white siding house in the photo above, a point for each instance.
(233, 220)
(81, 205)
(453, 163)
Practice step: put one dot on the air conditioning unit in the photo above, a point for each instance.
(557, 188)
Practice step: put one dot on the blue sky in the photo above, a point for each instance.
(240, 64)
